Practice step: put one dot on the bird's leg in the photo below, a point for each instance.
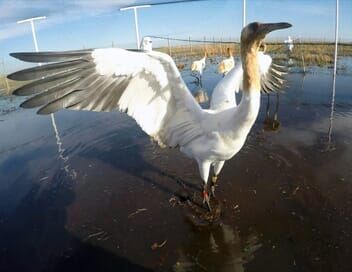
(217, 168)
(204, 168)
(214, 179)
(206, 198)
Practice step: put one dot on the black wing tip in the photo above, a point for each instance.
(44, 111)
(19, 92)
(25, 105)
(16, 76)
(10, 76)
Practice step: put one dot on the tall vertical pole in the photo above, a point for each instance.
(336, 35)
(136, 19)
(136, 26)
(31, 20)
(334, 78)
(34, 37)
(244, 14)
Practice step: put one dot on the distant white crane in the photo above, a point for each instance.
(147, 44)
(198, 66)
(148, 87)
(289, 43)
(227, 64)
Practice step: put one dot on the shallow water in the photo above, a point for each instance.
(96, 194)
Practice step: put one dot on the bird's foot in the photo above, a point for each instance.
(206, 199)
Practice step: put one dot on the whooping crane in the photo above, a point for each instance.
(227, 64)
(148, 87)
(147, 44)
(198, 66)
(289, 43)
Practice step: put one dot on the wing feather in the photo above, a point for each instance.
(272, 80)
(145, 85)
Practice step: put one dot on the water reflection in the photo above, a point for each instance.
(201, 96)
(221, 249)
(66, 166)
(330, 146)
(271, 122)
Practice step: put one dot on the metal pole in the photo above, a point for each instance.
(244, 14)
(34, 36)
(136, 26)
(336, 35)
(334, 78)
(136, 19)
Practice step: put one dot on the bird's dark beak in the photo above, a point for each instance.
(267, 28)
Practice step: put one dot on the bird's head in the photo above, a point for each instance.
(253, 34)
(147, 44)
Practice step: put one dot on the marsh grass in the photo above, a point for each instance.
(314, 54)
(309, 54)
(7, 86)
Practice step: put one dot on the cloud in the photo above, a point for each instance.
(56, 12)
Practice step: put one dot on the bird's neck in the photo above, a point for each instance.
(250, 65)
(248, 108)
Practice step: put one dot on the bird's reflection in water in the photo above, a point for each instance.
(201, 96)
(222, 249)
(271, 122)
(65, 159)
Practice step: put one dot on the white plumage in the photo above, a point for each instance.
(198, 66)
(147, 44)
(148, 86)
(227, 64)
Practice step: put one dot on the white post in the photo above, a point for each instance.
(244, 14)
(334, 78)
(34, 37)
(336, 35)
(31, 21)
(136, 26)
(136, 19)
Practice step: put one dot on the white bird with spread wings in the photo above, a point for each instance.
(148, 87)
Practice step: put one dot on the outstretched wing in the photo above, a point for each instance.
(272, 79)
(145, 85)
(272, 75)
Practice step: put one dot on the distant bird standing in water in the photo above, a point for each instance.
(289, 43)
(227, 64)
(198, 66)
(148, 87)
(147, 44)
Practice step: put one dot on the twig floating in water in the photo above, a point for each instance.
(137, 212)
(156, 245)
(94, 235)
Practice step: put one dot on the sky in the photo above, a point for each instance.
(77, 24)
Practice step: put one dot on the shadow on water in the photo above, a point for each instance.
(33, 234)
(139, 162)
